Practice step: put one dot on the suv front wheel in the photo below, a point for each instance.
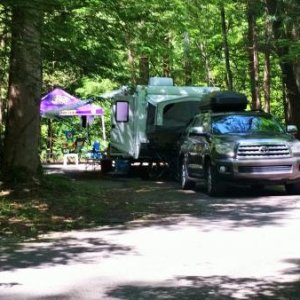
(213, 185)
(186, 183)
(293, 188)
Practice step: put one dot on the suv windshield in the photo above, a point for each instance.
(244, 124)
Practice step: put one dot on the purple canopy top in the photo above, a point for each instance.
(60, 103)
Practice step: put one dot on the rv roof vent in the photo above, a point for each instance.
(161, 81)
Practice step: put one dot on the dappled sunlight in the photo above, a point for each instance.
(65, 250)
(165, 244)
(215, 287)
(177, 256)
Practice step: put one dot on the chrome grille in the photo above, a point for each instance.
(266, 169)
(263, 151)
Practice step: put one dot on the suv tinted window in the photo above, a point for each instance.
(245, 124)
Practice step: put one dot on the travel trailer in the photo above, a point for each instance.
(146, 121)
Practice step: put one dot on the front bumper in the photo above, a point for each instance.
(259, 171)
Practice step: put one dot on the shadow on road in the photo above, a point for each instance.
(167, 207)
(59, 251)
(210, 288)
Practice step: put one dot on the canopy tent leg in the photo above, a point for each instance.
(103, 128)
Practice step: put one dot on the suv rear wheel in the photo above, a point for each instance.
(213, 186)
(186, 183)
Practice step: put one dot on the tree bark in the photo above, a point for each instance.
(287, 65)
(187, 60)
(267, 66)
(229, 80)
(166, 66)
(21, 145)
(4, 46)
(144, 70)
(166, 58)
(204, 55)
(286, 108)
(131, 59)
(49, 151)
(267, 81)
(253, 54)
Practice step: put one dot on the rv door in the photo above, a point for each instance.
(121, 139)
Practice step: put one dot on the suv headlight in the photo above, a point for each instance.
(225, 149)
(295, 147)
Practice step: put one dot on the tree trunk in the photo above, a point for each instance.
(21, 145)
(166, 57)
(49, 141)
(285, 102)
(267, 81)
(131, 59)
(166, 66)
(144, 70)
(208, 74)
(187, 60)
(229, 80)
(253, 54)
(267, 67)
(287, 66)
(4, 46)
(131, 65)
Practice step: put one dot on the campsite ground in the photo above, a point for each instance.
(151, 240)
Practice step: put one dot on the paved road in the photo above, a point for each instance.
(243, 246)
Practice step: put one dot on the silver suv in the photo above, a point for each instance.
(241, 146)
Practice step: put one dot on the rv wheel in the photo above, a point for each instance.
(106, 165)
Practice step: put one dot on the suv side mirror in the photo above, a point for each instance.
(292, 129)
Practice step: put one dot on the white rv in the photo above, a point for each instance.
(147, 121)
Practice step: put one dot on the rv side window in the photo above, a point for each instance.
(122, 111)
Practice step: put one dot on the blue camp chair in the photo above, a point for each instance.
(96, 153)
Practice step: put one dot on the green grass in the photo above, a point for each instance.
(61, 203)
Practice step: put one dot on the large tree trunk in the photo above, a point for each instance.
(21, 145)
(287, 65)
(229, 80)
(253, 54)
(4, 46)
(267, 66)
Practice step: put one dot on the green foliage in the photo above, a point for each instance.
(90, 87)
(86, 47)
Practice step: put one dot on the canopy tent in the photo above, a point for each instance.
(58, 103)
